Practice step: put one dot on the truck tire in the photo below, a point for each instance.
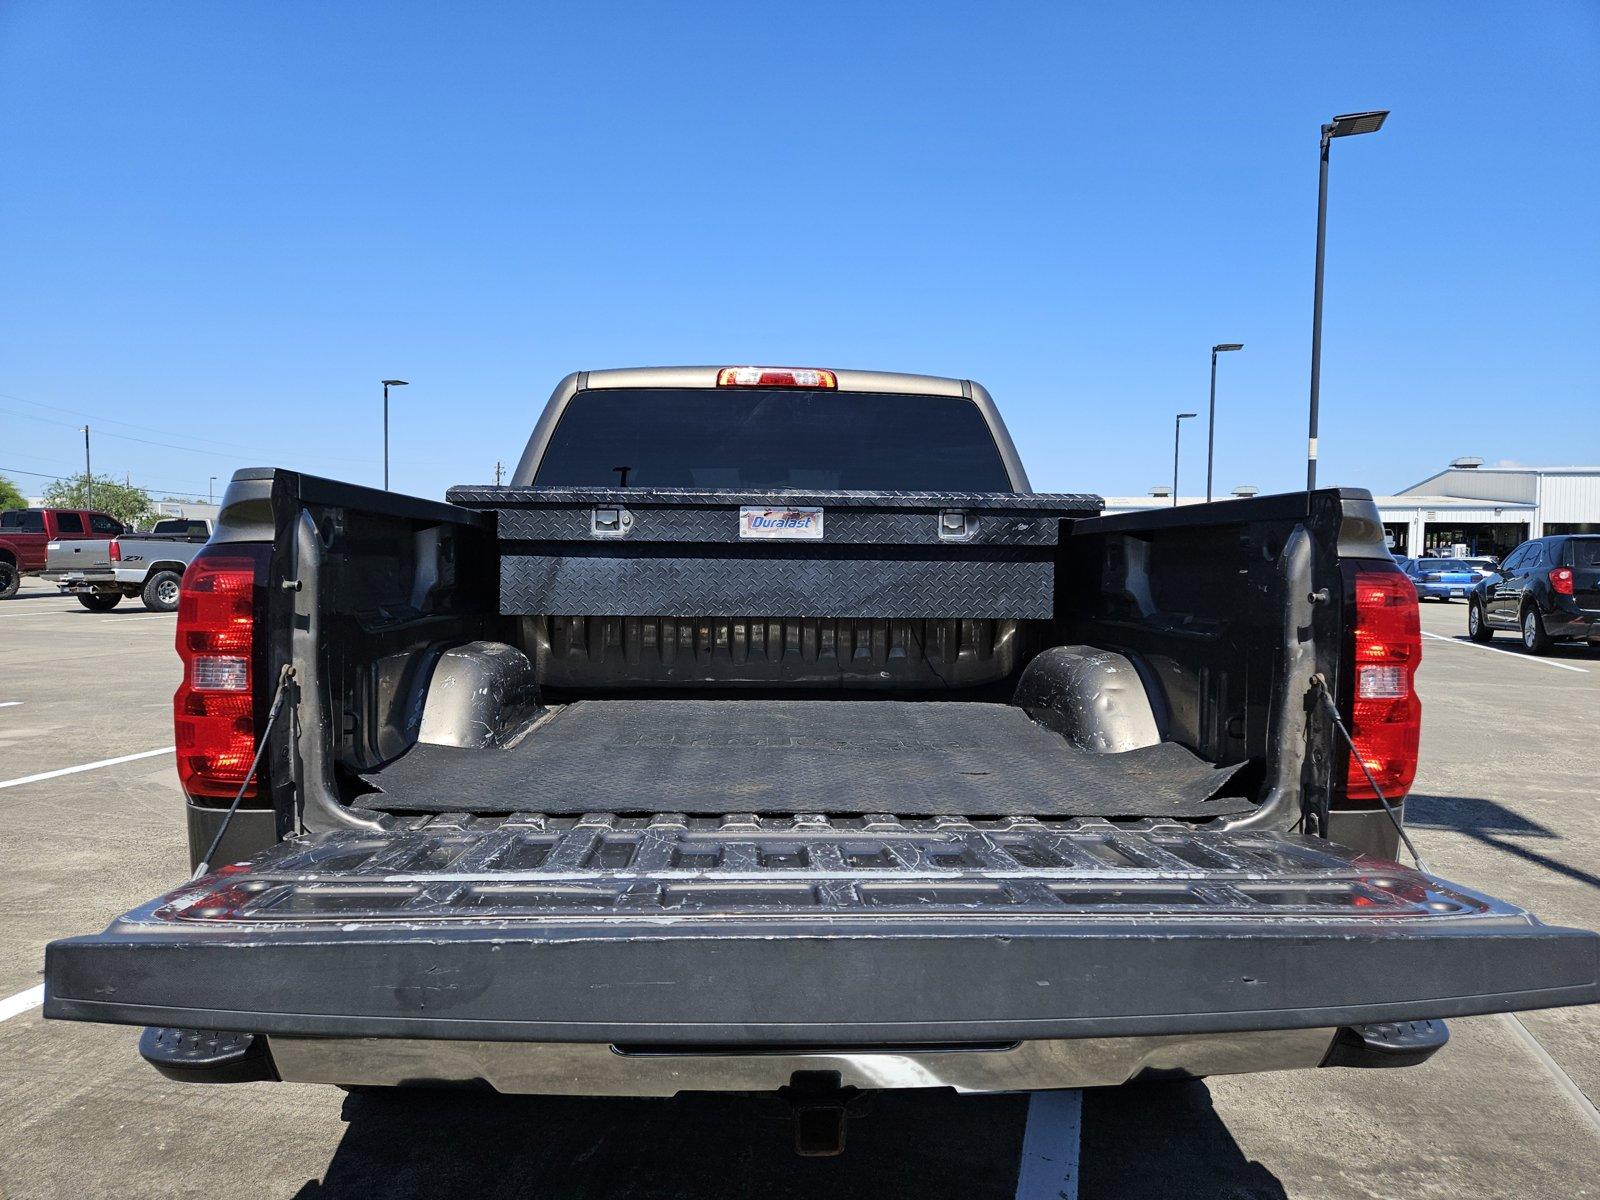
(10, 580)
(99, 602)
(160, 592)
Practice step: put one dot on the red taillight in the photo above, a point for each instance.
(1561, 580)
(116, 551)
(214, 709)
(779, 377)
(1386, 715)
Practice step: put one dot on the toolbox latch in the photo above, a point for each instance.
(610, 522)
(956, 526)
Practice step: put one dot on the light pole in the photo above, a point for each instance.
(211, 490)
(1177, 432)
(387, 384)
(1211, 428)
(1342, 126)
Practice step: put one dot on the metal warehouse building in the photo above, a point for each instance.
(1489, 510)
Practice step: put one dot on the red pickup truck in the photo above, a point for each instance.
(25, 532)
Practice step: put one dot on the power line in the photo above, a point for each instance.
(122, 436)
(233, 446)
(77, 475)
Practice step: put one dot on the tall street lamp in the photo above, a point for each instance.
(1177, 432)
(211, 490)
(1211, 429)
(1347, 125)
(387, 384)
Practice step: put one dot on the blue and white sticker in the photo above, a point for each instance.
(781, 524)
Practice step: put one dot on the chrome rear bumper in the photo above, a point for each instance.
(597, 1069)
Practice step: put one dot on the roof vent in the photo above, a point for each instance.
(1161, 489)
(1466, 464)
(1245, 490)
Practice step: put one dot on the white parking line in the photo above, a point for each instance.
(1528, 658)
(10, 703)
(90, 620)
(89, 624)
(1049, 1166)
(104, 762)
(15, 1006)
(1569, 1088)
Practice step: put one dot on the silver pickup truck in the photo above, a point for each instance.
(768, 733)
(147, 565)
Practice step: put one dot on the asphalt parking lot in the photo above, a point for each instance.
(1506, 800)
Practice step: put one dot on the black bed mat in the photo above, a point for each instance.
(801, 756)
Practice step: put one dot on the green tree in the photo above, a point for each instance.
(130, 505)
(10, 495)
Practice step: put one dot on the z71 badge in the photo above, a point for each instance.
(781, 524)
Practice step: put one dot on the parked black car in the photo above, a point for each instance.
(1548, 589)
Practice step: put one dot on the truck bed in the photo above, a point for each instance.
(906, 757)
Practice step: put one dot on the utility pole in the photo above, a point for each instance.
(497, 473)
(88, 475)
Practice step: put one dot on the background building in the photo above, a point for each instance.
(1492, 509)
(1489, 510)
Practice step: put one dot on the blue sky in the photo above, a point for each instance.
(222, 224)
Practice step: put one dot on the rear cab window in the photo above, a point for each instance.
(24, 520)
(103, 524)
(761, 438)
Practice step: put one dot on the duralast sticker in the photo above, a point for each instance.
(781, 524)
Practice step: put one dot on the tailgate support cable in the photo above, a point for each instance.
(1321, 684)
(272, 715)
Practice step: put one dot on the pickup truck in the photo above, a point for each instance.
(147, 565)
(767, 733)
(26, 534)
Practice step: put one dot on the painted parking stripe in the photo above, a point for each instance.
(1564, 1082)
(1049, 1167)
(94, 766)
(89, 620)
(10, 703)
(1527, 658)
(15, 1006)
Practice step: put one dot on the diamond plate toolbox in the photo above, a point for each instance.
(625, 552)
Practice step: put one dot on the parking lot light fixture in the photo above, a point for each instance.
(1350, 124)
(1177, 432)
(387, 384)
(1347, 125)
(1211, 427)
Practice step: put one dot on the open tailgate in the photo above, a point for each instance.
(741, 930)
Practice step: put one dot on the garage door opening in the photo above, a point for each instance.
(1492, 539)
